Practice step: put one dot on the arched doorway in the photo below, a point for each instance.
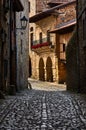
(30, 67)
(49, 73)
(41, 70)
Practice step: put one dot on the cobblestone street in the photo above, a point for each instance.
(46, 107)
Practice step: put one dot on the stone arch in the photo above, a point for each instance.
(41, 70)
(30, 67)
(49, 72)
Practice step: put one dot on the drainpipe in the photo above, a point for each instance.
(78, 51)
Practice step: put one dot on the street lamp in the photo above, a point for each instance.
(24, 21)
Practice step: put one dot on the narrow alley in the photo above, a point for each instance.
(43, 41)
(46, 106)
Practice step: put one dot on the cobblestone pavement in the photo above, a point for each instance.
(46, 108)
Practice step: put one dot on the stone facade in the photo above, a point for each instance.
(8, 10)
(45, 56)
(71, 65)
(42, 5)
(22, 48)
(81, 41)
(0, 42)
(65, 25)
(4, 51)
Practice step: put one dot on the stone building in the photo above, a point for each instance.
(48, 37)
(64, 28)
(22, 47)
(8, 9)
(81, 42)
(0, 42)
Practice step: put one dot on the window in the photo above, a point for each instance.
(40, 37)
(62, 51)
(64, 47)
(31, 29)
(48, 36)
(31, 39)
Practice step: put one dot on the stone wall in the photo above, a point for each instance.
(3, 47)
(76, 53)
(36, 63)
(43, 53)
(82, 43)
(72, 70)
(22, 48)
(43, 26)
(63, 36)
(32, 8)
(0, 45)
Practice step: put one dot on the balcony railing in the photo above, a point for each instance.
(43, 42)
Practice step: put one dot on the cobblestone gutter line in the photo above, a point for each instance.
(44, 114)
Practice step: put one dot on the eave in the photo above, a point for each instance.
(48, 12)
(64, 26)
(39, 16)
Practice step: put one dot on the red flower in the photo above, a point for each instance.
(40, 45)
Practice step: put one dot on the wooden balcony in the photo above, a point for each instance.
(41, 43)
(44, 46)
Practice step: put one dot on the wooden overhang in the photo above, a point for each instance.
(40, 16)
(64, 26)
(17, 6)
(48, 12)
